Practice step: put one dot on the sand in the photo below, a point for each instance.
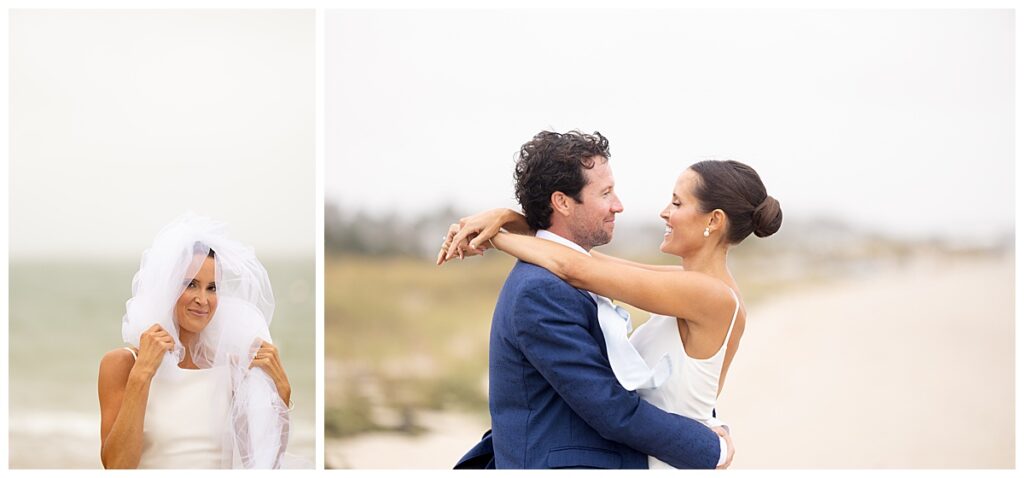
(451, 434)
(912, 369)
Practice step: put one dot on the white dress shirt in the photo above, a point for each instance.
(627, 364)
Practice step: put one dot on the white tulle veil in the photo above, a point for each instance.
(257, 426)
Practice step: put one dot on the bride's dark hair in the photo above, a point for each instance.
(736, 189)
(199, 248)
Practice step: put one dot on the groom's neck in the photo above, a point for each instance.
(562, 229)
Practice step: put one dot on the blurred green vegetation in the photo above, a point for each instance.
(402, 334)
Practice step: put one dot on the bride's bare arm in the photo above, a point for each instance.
(123, 398)
(511, 221)
(473, 232)
(123, 393)
(650, 267)
(692, 295)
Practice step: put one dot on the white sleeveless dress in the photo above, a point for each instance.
(692, 389)
(186, 419)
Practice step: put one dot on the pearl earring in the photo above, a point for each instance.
(707, 232)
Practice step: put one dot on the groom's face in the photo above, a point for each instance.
(592, 221)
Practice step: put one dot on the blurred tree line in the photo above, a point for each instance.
(801, 241)
(359, 233)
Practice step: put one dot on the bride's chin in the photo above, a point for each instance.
(192, 326)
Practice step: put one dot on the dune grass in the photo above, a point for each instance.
(403, 334)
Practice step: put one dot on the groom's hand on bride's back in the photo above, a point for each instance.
(722, 432)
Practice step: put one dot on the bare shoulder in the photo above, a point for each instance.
(714, 289)
(712, 297)
(115, 366)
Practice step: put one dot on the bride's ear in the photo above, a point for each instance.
(560, 203)
(719, 220)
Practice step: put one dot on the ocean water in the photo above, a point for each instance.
(64, 316)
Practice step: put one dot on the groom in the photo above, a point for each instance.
(554, 399)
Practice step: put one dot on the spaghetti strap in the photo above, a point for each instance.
(135, 355)
(734, 315)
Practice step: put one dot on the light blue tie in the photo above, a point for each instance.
(629, 367)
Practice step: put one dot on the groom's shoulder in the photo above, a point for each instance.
(526, 277)
(526, 273)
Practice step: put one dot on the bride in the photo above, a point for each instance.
(698, 316)
(201, 385)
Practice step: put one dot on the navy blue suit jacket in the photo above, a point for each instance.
(554, 400)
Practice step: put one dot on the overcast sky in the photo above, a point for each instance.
(901, 121)
(122, 120)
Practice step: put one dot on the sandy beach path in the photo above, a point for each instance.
(906, 369)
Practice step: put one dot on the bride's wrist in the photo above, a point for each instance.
(508, 216)
(284, 389)
(493, 240)
(141, 375)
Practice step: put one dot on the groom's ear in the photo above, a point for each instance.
(561, 203)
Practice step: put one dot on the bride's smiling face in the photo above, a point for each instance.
(684, 221)
(198, 302)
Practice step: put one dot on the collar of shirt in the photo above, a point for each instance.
(546, 234)
(601, 300)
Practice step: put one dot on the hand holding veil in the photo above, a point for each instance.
(257, 426)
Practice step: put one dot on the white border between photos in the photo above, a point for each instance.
(1018, 241)
(320, 6)
(5, 201)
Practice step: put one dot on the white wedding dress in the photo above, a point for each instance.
(692, 388)
(186, 419)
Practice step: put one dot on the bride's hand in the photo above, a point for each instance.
(462, 249)
(722, 432)
(268, 360)
(471, 235)
(153, 344)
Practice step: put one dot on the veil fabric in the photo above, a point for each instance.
(256, 430)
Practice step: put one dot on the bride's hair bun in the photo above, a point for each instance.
(767, 217)
(737, 190)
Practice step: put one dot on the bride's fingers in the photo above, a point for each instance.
(449, 241)
(461, 237)
(457, 244)
(445, 242)
(730, 448)
(450, 252)
(484, 236)
(442, 255)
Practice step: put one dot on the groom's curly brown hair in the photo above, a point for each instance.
(554, 162)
